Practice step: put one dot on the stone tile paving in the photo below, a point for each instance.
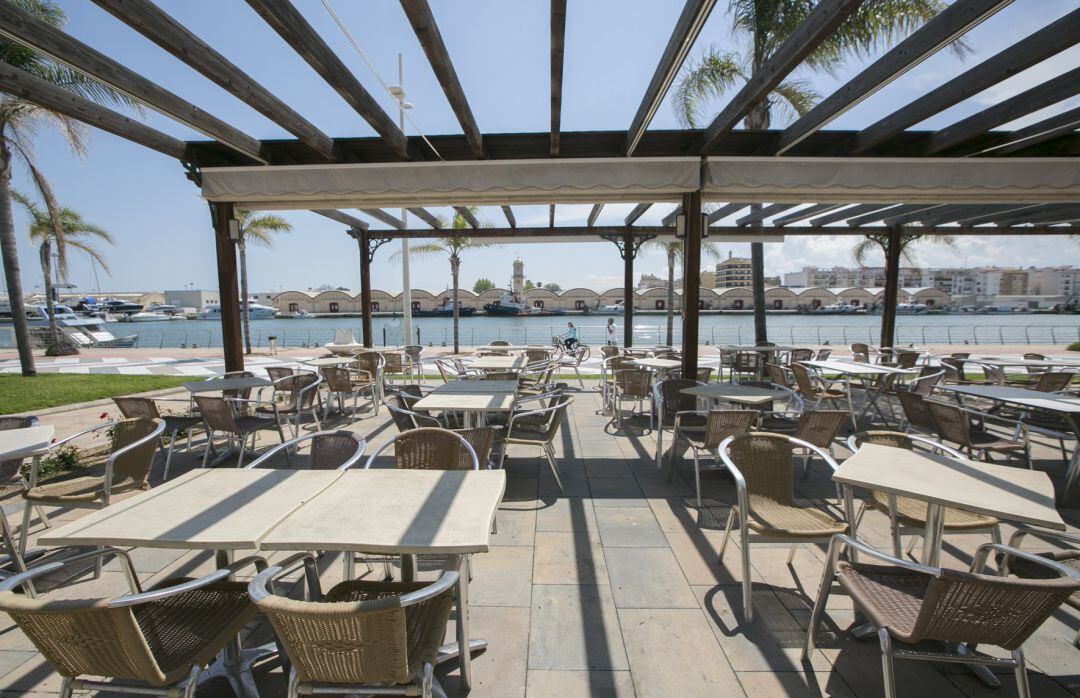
(615, 588)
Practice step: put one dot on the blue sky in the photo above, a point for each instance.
(500, 51)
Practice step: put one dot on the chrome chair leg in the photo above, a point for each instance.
(1023, 689)
(888, 676)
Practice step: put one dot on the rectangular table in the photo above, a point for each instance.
(1013, 494)
(870, 378)
(238, 383)
(497, 363)
(755, 347)
(471, 398)
(24, 443)
(658, 365)
(733, 392)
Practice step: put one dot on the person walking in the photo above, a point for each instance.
(611, 333)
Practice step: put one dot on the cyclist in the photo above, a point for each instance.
(570, 337)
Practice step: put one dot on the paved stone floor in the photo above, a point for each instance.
(613, 588)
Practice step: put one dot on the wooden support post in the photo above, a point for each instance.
(228, 289)
(892, 288)
(757, 285)
(691, 282)
(628, 254)
(361, 238)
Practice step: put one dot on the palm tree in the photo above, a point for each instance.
(872, 243)
(768, 23)
(19, 124)
(258, 228)
(452, 246)
(674, 253)
(73, 232)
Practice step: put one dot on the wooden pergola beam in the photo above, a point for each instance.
(509, 214)
(594, 214)
(149, 20)
(669, 219)
(384, 217)
(724, 211)
(763, 213)
(558, 43)
(882, 214)
(766, 231)
(636, 213)
(426, 216)
(1050, 92)
(1047, 129)
(986, 214)
(46, 39)
(803, 214)
(1048, 41)
(818, 25)
(1044, 215)
(19, 83)
(468, 216)
(892, 217)
(291, 26)
(686, 31)
(539, 232)
(940, 31)
(342, 217)
(427, 32)
(844, 214)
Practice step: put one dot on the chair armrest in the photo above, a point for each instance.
(159, 428)
(829, 460)
(681, 413)
(216, 576)
(446, 581)
(96, 427)
(36, 571)
(848, 541)
(260, 587)
(981, 555)
(1023, 530)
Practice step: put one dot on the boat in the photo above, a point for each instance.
(911, 308)
(82, 332)
(841, 308)
(616, 309)
(256, 311)
(118, 307)
(147, 316)
(508, 305)
(446, 309)
(543, 312)
(295, 315)
(163, 308)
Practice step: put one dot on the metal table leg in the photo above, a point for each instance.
(849, 512)
(451, 651)
(935, 526)
(234, 662)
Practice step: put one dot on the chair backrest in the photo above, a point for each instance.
(777, 374)
(534, 355)
(823, 354)
(672, 399)
(915, 410)
(561, 402)
(803, 384)
(9, 469)
(242, 393)
(332, 449)
(430, 448)
(801, 355)
(1032, 356)
(950, 422)
(413, 351)
(217, 413)
(404, 417)
(395, 362)
(337, 379)
(633, 382)
(1052, 382)
(975, 608)
(446, 369)
(501, 376)
(608, 351)
(820, 427)
(954, 368)
(619, 363)
(134, 465)
(721, 424)
(765, 463)
(299, 386)
(907, 359)
(704, 373)
(482, 439)
(928, 378)
(499, 343)
(133, 407)
(746, 361)
(276, 373)
(860, 352)
(881, 437)
(369, 361)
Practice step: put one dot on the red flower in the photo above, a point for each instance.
(53, 441)
(103, 415)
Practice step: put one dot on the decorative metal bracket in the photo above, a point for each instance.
(366, 239)
(194, 172)
(636, 241)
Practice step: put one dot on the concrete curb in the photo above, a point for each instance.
(104, 402)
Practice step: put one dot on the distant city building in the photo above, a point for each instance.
(652, 281)
(519, 276)
(199, 299)
(733, 272)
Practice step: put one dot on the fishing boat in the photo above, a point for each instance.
(148, 316)
(615, 309)
(79, 331)
(446, 309)
(508, 305)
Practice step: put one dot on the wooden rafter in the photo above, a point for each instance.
(636, 213)
(342, 217)
(844, 214)
(1058, 125)
(558, 43)
(763, 213)
(803, 214)
(384, 217)
(724, 211)
(426, 216)
(468, 216)
(509, 214)
(594, 214)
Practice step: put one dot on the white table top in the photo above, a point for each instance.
(512, 347)
(855, 368)
(733, 392)
(397, 512)
(330, 361)
(1014, 494)
(21, 443)
(659, 364)
(466, 402)
(1034, 363)
(497, 363)
(1019, 396)
(216, 384)
(477, 386)
(205, 509)
(755, 347)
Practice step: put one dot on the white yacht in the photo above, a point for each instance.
(148, 316)
(841, 308)
(911, 308)
(255, 312)
(80, 331)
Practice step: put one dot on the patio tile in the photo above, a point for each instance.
(616, 492)
(647, 578)
(1041, 685)
(859, 663)
(580, 684)
(501, 577)
(568, 514)
(575, 627)
(629, 527)
(698, 557)
(515, 527)
(672, 652)
(568, 558)
(500, 671)
(795, 684)
(607, 467)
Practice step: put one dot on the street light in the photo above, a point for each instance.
(398, 93)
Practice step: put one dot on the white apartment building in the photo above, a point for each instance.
(974, 283)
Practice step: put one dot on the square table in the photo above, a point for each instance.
(870, 378)
(733, 392)
(330, 361)
(498, 363)
(1013, 494)
(237, 383)
(470, 398)
(23, 443)
(658, 365)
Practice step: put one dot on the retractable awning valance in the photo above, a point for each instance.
(891, 180)
(487, 182)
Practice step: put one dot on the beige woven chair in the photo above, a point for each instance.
(820, 428)
(340, 384)
(606, 352)
(822, 354)
(219, 416)
(1069, 556)
(413, 351)
(361, 637)
(573, 358)
(538, 427)
(910, 603)
(608, 368)
(406, 419)
(907, 516)
(778, 374)
(916, 413)
(668, 402)
(301, 393)
(860, 352)
(330, 450)
(1052, 381)
(537, 355)
(127, 468)
(11, 470)
(813, 394)
(135, 407)
(429, 448)
(634, 384)
(482, 440)
(398, 366)
(924, 385)
(719, 424)
(953, 423)
(276, 373)
(367, 369)
(746, 364)
(761, 465)
(800, 355)
(144, 642)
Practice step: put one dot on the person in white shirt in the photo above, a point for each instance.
(611, 333)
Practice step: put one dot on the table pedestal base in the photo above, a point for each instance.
(449, 652)
(236, 669)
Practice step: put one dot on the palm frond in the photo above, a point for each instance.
(706, 78)
(46, 192)
(258, 228)
(793, 98)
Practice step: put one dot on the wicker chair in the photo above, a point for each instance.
(538, 427)
(812, 394)
(910, 603)
(778, 374)
(413, 351)
(1052, 381)
(406, 419)
(668, 402)
(953, 423)
(608, 368)
(573, 358)
(761, 465)
(823, 354)
(860, 353)
(745, 364)
(907, 359)
(482, 440)
(606, 352)
(330, 450)
(276, 373)
(145, 642)
(820, 428)
(1069, 556)
(800, 355)
(397, 366)
(956, 371)
(339, 383)
(135, 407)
(367, 369)
(719, 424)
(500, 376)
(362, 636)
(535, 355)
(779, 418)
(924, 384)
(131, 456)
(219, 416)
(429, 448)
(11, 470)
(703, 375)
(907, 515)
(301, 391)
(633, 384)
(916, 413)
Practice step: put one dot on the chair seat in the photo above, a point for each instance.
(85, 489)
(775, 423)
(687, 422)
(985, 441)
(772, 518)
(250, 424)
(912, 512)
(829, 394)
(179, 422)
(1029, 570)
(890, 596)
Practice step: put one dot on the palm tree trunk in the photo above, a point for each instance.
(757, 120)
(455, 264)
(10, 256)
(244, 295)
(670, 298)
(50, 304)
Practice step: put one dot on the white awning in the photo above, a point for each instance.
(891, 180)
(487, 182)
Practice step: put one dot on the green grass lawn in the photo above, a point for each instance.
(21, 394)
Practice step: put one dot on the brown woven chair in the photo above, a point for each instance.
(135, 407)
(953, 423)
(719, 424)
(1069, 556)
(823, 354)
(813, 394)
(500, 376)
(924, 384)
(800, 355)
(538, 427)
(482, 440)
(301, 393)
(276, 373)
(916, 413)
(397, 366)
(242, 395)
(330, 450)
(907, 516)
(155, 641)
(820, 428)
(956, 371)
(367, 369)
(745, 364)
(668, 402)
(413, 351)
(536, 355)
(360, 637)
(910, 603)
(606, 352)
(406, 419)
(703, 375)
(219, 416)
(778, 374)
(860, 352)
(127, 468)
(608, 368)
(1052, 381)
(633, 384)
(11, 470)
(429, 448)
(341, 385)
(761, 465)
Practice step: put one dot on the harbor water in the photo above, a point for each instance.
(1000, 328)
